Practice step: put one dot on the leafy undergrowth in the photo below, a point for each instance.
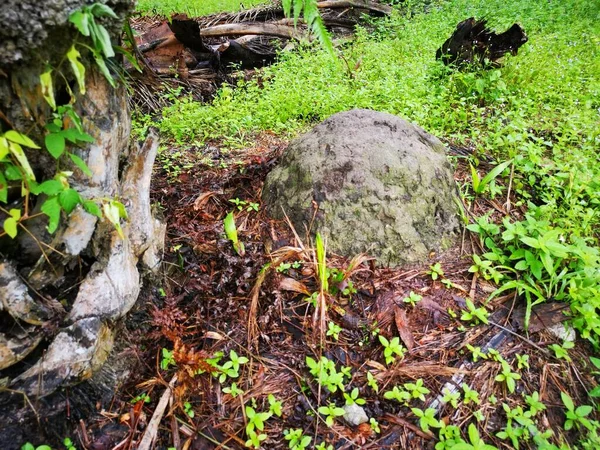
(193, 8)
(268, 339)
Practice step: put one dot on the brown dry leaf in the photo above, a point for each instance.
(431, 305)
(376, 365)
(202, 199)
(213, 335)
(125, 418)
(385, 309)
(207, 248)
(542, 316)
(289, 284)
(403, 328)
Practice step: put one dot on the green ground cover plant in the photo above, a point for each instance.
(193, 7)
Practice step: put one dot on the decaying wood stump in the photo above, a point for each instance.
(61, 293)
(473, 43)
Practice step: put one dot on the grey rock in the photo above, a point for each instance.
(563, 332)
(382, 186)
(355, 415)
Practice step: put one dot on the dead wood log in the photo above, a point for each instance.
(382, 10)
(257, 28)
(473, 43)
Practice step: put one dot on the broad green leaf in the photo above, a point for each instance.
(48, 88)
(52, 209)
(80, 20)
(595, 392)
(104, 41)
(583, 410)
(121, 207)
(18, 153)
(74, 135)
(81, 164)
(92, 208)
(100, 10)
(3, 189)
(78, 68)
(69, 199)
(55, 144)
(102, 66)
(492, 174)
(595, 361)
(230, 228)
(532, 242)
(49, 187)
(10, 227)
(3, 147)
(19, 138)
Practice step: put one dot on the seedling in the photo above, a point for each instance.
(143, 397)
(334, 330)
(256, 421)
(476, 353)
(274, 405)
(471, 395)
(353, 398)
(324, 446)
(478, 415)
(535, 405)
(450, 438)
(187, 408)
(349, 289)
(68, 443)
(474, 314)
(297, 441)
(562, 352)
(400, 395)
(167, 359)
(231, 233)
(374, 425)
(480, 185)
(285, 266)
(435, 271)
(476, 442)
(508, 376)
(576, 416)
(233, 390)
(372, 382)
(417, 390)
(331, 412)
(391, 348)
(427, 418)
(451, 397)
(326, 374)
(412, 298)
(522, 362)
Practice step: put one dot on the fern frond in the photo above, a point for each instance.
(312, 17)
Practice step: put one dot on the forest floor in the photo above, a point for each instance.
(433, 358)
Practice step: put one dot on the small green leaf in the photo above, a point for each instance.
(91, 207)
(111, 212)
(10, 227)
(55, 144)
(19, 138)
(81, 164)
(48, 88)
(69, 199)
(80, 20)
(78, 68)
(567, 401)
(18, 153)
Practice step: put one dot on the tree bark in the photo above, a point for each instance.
(62, 293)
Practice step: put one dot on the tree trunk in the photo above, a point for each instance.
(61, 293)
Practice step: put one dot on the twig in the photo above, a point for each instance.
(152, 428)
(524, 339)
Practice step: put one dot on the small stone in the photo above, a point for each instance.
(355, 415)
(562, 332)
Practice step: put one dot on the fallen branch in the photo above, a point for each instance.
(240, 29)
(375, 7)
(152, 428)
